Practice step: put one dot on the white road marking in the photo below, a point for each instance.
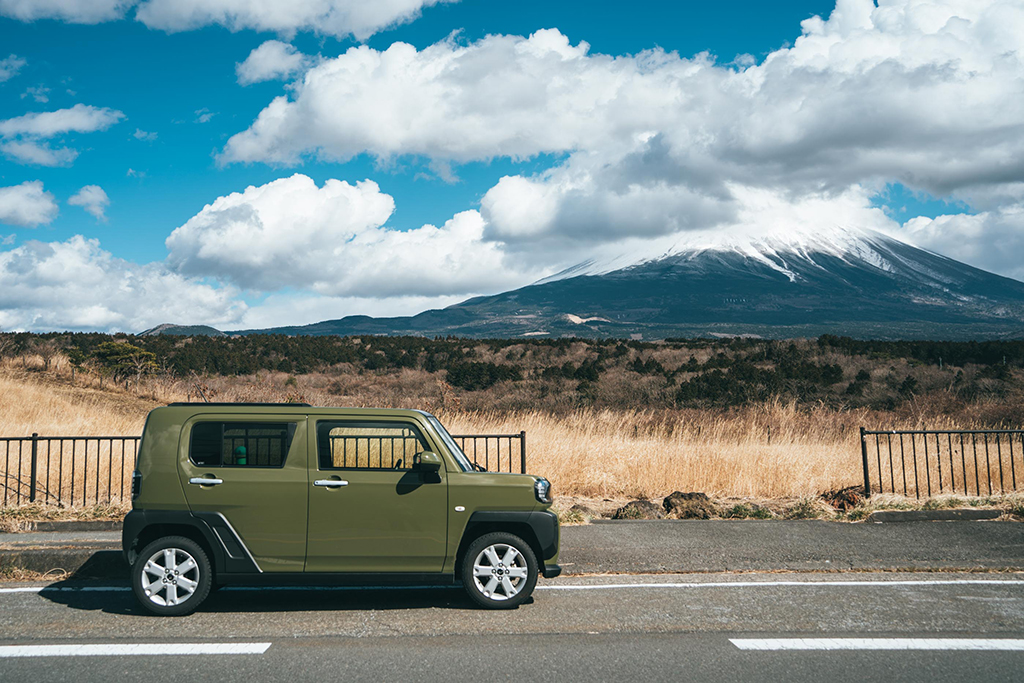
(573, 587)
(132, 649)
(771, 584)
(877, 644)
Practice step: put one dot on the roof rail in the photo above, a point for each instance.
(225, 403)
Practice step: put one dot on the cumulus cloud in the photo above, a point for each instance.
(332, 240)
(921, 93)
(991, 240)
(71, 11)
(76, 284)
(10, 66)
(273, 60)
(339, 18)
(140, 134)
(24, 138)
(93, 199)
(27, 205)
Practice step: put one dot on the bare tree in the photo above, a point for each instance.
(6, 345)
(47, 349)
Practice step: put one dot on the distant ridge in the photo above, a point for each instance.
(183, 331)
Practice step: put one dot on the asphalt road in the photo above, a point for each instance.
(666, 627)
(721, 545)
(748, 545)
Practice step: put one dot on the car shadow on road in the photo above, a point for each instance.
(251, 599)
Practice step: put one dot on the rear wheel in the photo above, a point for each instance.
(499, 570)
(172, 576)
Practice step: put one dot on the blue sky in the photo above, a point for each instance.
(161, 80)
(176, 101)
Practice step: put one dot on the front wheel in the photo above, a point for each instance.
(172, 576)
(499, 571)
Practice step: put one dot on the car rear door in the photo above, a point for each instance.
(251, 470)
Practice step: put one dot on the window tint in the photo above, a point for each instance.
(241, 444)
(368, 445)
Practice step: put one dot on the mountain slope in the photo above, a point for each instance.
(851, 282)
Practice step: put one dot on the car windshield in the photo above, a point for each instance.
(453, 447)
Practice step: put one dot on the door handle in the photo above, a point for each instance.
(205, 481)
(330, 483)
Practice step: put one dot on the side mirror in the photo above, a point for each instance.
(427, 461)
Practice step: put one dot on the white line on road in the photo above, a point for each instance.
(131, 649)
(574, 587)
(771, 584)
(877, 644)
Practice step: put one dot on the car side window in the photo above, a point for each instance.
(240, 444)
(368, 445)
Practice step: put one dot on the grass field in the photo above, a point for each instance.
(771, 450)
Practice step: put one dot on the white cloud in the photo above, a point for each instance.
(39, 93)
(273, 60)
(922, 93)
(27, 204)
(140, 134)
(81, 118)
(991, 240)
(71, 11)
(204, 115)
(93, 199)
(10, 66)
(338, 18)
(37, 153)
(332, 240)
(77, 285)
(22, 138)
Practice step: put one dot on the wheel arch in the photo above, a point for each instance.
(525, 525)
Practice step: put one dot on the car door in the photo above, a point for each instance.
(252, 470)
(370, 510)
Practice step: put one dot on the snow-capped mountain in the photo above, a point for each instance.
(783, 284)
(774, 251)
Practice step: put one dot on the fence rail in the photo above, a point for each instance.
(927, 462)
(92, 470)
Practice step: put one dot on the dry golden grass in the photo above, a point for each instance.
(584, 452)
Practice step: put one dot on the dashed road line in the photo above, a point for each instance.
(776, 644)
(133, 649)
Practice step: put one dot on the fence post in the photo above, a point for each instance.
(32, 478)
(864, 460)
(522, 451)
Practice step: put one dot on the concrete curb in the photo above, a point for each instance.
(932, 515)
(89, 525)
(86, 563)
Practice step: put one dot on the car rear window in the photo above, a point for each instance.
(241, 444)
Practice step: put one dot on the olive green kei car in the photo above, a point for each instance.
(289, 494)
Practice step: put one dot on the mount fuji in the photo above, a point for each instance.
(790, 283)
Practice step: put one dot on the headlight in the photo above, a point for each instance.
(542, 489)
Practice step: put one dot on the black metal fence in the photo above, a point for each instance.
(486, 450)
(925, 462)
(92, 470)
(67, 470)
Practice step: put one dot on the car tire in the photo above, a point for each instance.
(499, 571)
(172, 576)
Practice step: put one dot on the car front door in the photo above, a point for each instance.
(251, 470)
(370, 508)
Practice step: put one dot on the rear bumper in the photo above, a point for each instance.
(551, 571)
